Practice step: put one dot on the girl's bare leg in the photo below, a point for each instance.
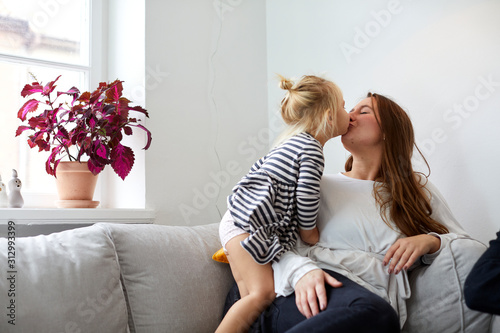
(256, 285)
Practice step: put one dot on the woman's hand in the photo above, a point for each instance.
(405, 251)
(310, 290)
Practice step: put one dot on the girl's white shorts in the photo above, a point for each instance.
(228, 230)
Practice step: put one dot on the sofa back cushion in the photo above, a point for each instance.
(437, 303)
(171, 281)
(63, 282)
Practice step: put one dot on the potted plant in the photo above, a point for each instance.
(87, 128)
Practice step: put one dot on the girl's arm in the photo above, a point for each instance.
(311, 236)
(307, 193)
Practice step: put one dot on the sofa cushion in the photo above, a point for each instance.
(437, 303)
(171, 281)
(63, 282)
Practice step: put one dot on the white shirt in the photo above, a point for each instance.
(354, 239)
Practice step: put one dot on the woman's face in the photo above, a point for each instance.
(364, 130)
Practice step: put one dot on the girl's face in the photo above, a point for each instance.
(342, 121)
(364, 130)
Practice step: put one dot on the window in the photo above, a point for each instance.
(47, 38)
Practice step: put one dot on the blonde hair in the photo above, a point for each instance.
(307, 105)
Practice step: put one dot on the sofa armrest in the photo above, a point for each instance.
(171, 282)
(437, 303)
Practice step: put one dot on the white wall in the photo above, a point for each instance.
(437, 59)
(206, 93)
(125, 47)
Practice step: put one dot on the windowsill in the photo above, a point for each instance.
(40, 216)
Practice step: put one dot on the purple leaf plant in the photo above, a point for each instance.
(92, 123)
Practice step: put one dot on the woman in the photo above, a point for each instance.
(375, 220)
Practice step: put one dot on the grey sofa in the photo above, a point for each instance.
(154, 278)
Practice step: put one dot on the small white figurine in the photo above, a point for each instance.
(15, 198)
(4, 199)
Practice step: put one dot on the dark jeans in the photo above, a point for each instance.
(351, 309)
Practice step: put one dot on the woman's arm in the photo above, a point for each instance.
(404, 252)
(441, 212)
(295, 272)
(310, 292)
(291, 267)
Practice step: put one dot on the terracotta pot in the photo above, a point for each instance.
(75, 185)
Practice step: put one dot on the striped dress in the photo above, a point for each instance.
(279, 195)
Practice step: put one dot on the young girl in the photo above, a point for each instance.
(278, 199)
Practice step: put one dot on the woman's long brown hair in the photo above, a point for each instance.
(398, 189)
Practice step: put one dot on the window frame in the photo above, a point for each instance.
(93, 73)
